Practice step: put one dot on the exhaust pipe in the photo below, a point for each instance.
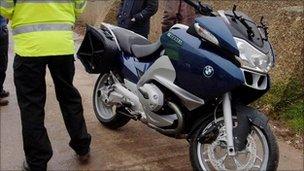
(180, 125)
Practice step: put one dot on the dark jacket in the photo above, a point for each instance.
(141, 10)
(177, 11)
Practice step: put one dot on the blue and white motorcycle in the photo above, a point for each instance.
(195, 82)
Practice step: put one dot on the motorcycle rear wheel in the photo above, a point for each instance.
(104, 113)
(207, 160)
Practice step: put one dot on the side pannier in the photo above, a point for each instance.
(98, 51)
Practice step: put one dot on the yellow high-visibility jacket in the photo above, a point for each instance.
(42, 27)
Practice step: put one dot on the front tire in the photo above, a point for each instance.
(105, 114)
(201, 163)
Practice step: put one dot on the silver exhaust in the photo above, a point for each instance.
(180, 122)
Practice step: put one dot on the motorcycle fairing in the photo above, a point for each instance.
(132, 68)
(220, 30)
(163, 72)
(239, 30)
(189, 59)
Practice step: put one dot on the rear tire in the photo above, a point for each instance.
(113, 121)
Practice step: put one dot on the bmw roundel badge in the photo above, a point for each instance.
(208, 71)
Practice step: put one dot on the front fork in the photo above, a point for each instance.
(228, 123)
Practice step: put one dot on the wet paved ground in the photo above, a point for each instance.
(134, 147)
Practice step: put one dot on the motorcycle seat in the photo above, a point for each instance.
(140, 51)
(127, 38)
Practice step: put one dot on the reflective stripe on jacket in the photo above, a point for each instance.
(42, 27)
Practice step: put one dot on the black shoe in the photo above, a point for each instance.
(3, 102)
(4, 94)
(83, 159)
(25, 166)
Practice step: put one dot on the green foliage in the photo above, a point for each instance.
(292, 92)
(286, 103)
(294, 115)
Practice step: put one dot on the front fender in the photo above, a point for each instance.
(246, 117)
(254, 116)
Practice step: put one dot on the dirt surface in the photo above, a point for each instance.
(134, 147)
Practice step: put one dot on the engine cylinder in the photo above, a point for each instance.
(152, 98)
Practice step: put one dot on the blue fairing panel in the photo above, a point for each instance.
(128, 68)
(132, 68)
(190, 59)
(220, 30)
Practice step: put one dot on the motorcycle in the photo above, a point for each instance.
(195, 83)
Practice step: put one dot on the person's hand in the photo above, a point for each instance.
(133, 19)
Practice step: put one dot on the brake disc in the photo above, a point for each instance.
(221, 162)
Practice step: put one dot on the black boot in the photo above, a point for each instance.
(84, 158)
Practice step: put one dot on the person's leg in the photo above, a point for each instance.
(29, 78)
(3, 58)
(62, 70)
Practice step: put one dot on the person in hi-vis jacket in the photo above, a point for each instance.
(43, 37)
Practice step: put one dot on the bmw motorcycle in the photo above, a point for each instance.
(195, 83)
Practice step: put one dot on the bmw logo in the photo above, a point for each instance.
(208, 71)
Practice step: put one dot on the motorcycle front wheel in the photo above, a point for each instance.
(261, 152)
(105, 114)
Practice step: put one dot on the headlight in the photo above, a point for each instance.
(205, 34)
(253, 59)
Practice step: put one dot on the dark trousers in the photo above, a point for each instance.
(29, 78)
(3, 54)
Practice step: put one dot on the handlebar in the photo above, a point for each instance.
(203, 9)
